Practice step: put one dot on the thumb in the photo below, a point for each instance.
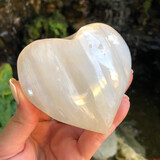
(18, 129)
(90, 141)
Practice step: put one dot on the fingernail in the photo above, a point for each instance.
(126, 96)
(132, 71)
(13, 89)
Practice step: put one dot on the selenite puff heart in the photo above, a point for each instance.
(79, 80)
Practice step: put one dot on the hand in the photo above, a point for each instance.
(31, 135)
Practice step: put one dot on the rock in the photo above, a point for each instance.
(13, 15)
(108, 148)
(129, 138)
(125, 152)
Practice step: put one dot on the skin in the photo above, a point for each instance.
(31, 135)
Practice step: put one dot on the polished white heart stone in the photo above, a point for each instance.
(79, 80)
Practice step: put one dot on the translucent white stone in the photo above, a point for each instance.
(79, 80)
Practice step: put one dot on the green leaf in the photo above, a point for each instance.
(5, 72)
(5, 111)
(5, 75)
(4, 88)
(52, 26)
(147, 5)
(7, 102)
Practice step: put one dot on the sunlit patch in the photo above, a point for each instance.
(116, 84)
(113, 39)
(30, 92)
(103, 82)
(114, 76)
(79, 100)
(96, 90)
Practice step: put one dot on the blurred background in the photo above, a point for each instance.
(138, 21)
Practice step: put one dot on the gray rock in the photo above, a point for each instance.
(129, 138)
(108, 148)
(125, 152)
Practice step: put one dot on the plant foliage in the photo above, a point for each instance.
(7, 102)
(147, 5)
(53, 26)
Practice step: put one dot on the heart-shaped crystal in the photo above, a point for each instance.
(79, 80)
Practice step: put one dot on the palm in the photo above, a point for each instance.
(53, 140)
(31, 135)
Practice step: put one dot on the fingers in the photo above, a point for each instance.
(18, 129)
(44, 117)
(130, 80)
(122, 111)
(90, 141)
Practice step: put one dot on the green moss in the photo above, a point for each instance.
(7, 102)
(54, 26)
(147, 5)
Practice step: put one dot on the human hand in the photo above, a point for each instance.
(31, 135)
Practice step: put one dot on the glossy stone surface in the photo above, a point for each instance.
(79, 80)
